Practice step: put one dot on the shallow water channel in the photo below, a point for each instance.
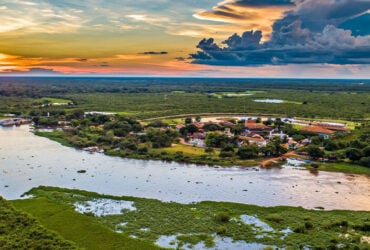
(28, 161)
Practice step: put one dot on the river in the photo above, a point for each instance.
(28, 161)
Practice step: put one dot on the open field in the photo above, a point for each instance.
(194, 223)
(55, 100)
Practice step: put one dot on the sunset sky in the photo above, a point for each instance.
(205, 38)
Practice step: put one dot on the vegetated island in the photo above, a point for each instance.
(132, 223)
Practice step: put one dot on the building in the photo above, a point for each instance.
(253, 139)
(258, 128)
(326, 133)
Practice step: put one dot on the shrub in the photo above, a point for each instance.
(222, 218)
(274, 218)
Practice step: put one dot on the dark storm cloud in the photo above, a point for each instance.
(308, 34)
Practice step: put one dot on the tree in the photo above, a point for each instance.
(268, 122)
(331, 145)
(248, 151)
(354, 154)
(278, 122)
(317, 140)
(188, 120)
(314, 151)
(366, 151)
(227, 151)
(191, 128)
(216, 140)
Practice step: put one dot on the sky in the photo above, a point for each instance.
(186, 38)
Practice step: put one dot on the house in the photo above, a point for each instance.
(336, 128)
(197, 139)
(305, 142)
(253, 139)
(280, 134)
(326, 133)
(227, 124)
(253, 127)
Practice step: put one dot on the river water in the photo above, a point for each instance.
(28, 161)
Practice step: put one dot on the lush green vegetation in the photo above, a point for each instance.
(20, 231)
(145, 98)
(342, 167)
(196, 222)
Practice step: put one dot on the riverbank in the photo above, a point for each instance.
(205, 224)
(194, 155)
(341, 167)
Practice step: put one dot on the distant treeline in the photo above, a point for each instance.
(46, 86)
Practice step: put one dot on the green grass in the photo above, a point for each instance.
(55, 136)
(19, 231)
(85, 231)
(55, 100)
(194, 222)
(189, 150)
(344, 168)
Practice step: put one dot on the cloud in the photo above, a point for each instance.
(31, 72)
(155, 53)
(310, 33)
(82, 59)
(251, 14)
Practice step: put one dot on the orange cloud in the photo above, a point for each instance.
(259, 17)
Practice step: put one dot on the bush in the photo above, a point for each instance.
(274, 218)
(354, 154)
(308, 225)
(222, 218)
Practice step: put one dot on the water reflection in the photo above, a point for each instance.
(28, 161)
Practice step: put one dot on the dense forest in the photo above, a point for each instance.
(44, 86)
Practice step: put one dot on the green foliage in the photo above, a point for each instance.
(216, 140)
(193, 222)
(314, 151)
(353, 154)
(248, 151)
(19, 231)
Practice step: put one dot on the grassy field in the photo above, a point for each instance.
(194, 223)
(85, 231)
(55, 100)
(55, 136)
(344, 168)
(190, 150)
(20, 231)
